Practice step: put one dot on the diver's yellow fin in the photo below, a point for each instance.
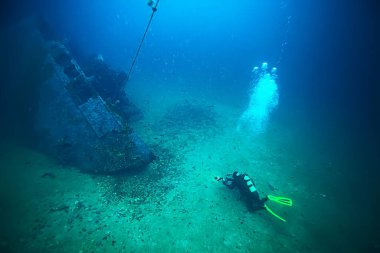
(274, 214)
(281, 200)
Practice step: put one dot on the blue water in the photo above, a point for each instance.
(320, 49)
(317, 124)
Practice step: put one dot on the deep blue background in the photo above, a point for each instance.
(328, 68)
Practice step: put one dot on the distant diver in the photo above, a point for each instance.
(248, 190)
(153, 5)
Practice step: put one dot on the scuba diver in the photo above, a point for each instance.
(250, 194)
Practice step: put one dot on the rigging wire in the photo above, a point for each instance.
(154, 9)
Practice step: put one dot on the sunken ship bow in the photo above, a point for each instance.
(83, 115)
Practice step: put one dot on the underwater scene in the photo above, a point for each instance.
(189, 126)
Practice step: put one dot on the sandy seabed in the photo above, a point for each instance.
(175, 205)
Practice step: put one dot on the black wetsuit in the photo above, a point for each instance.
(247, 189)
